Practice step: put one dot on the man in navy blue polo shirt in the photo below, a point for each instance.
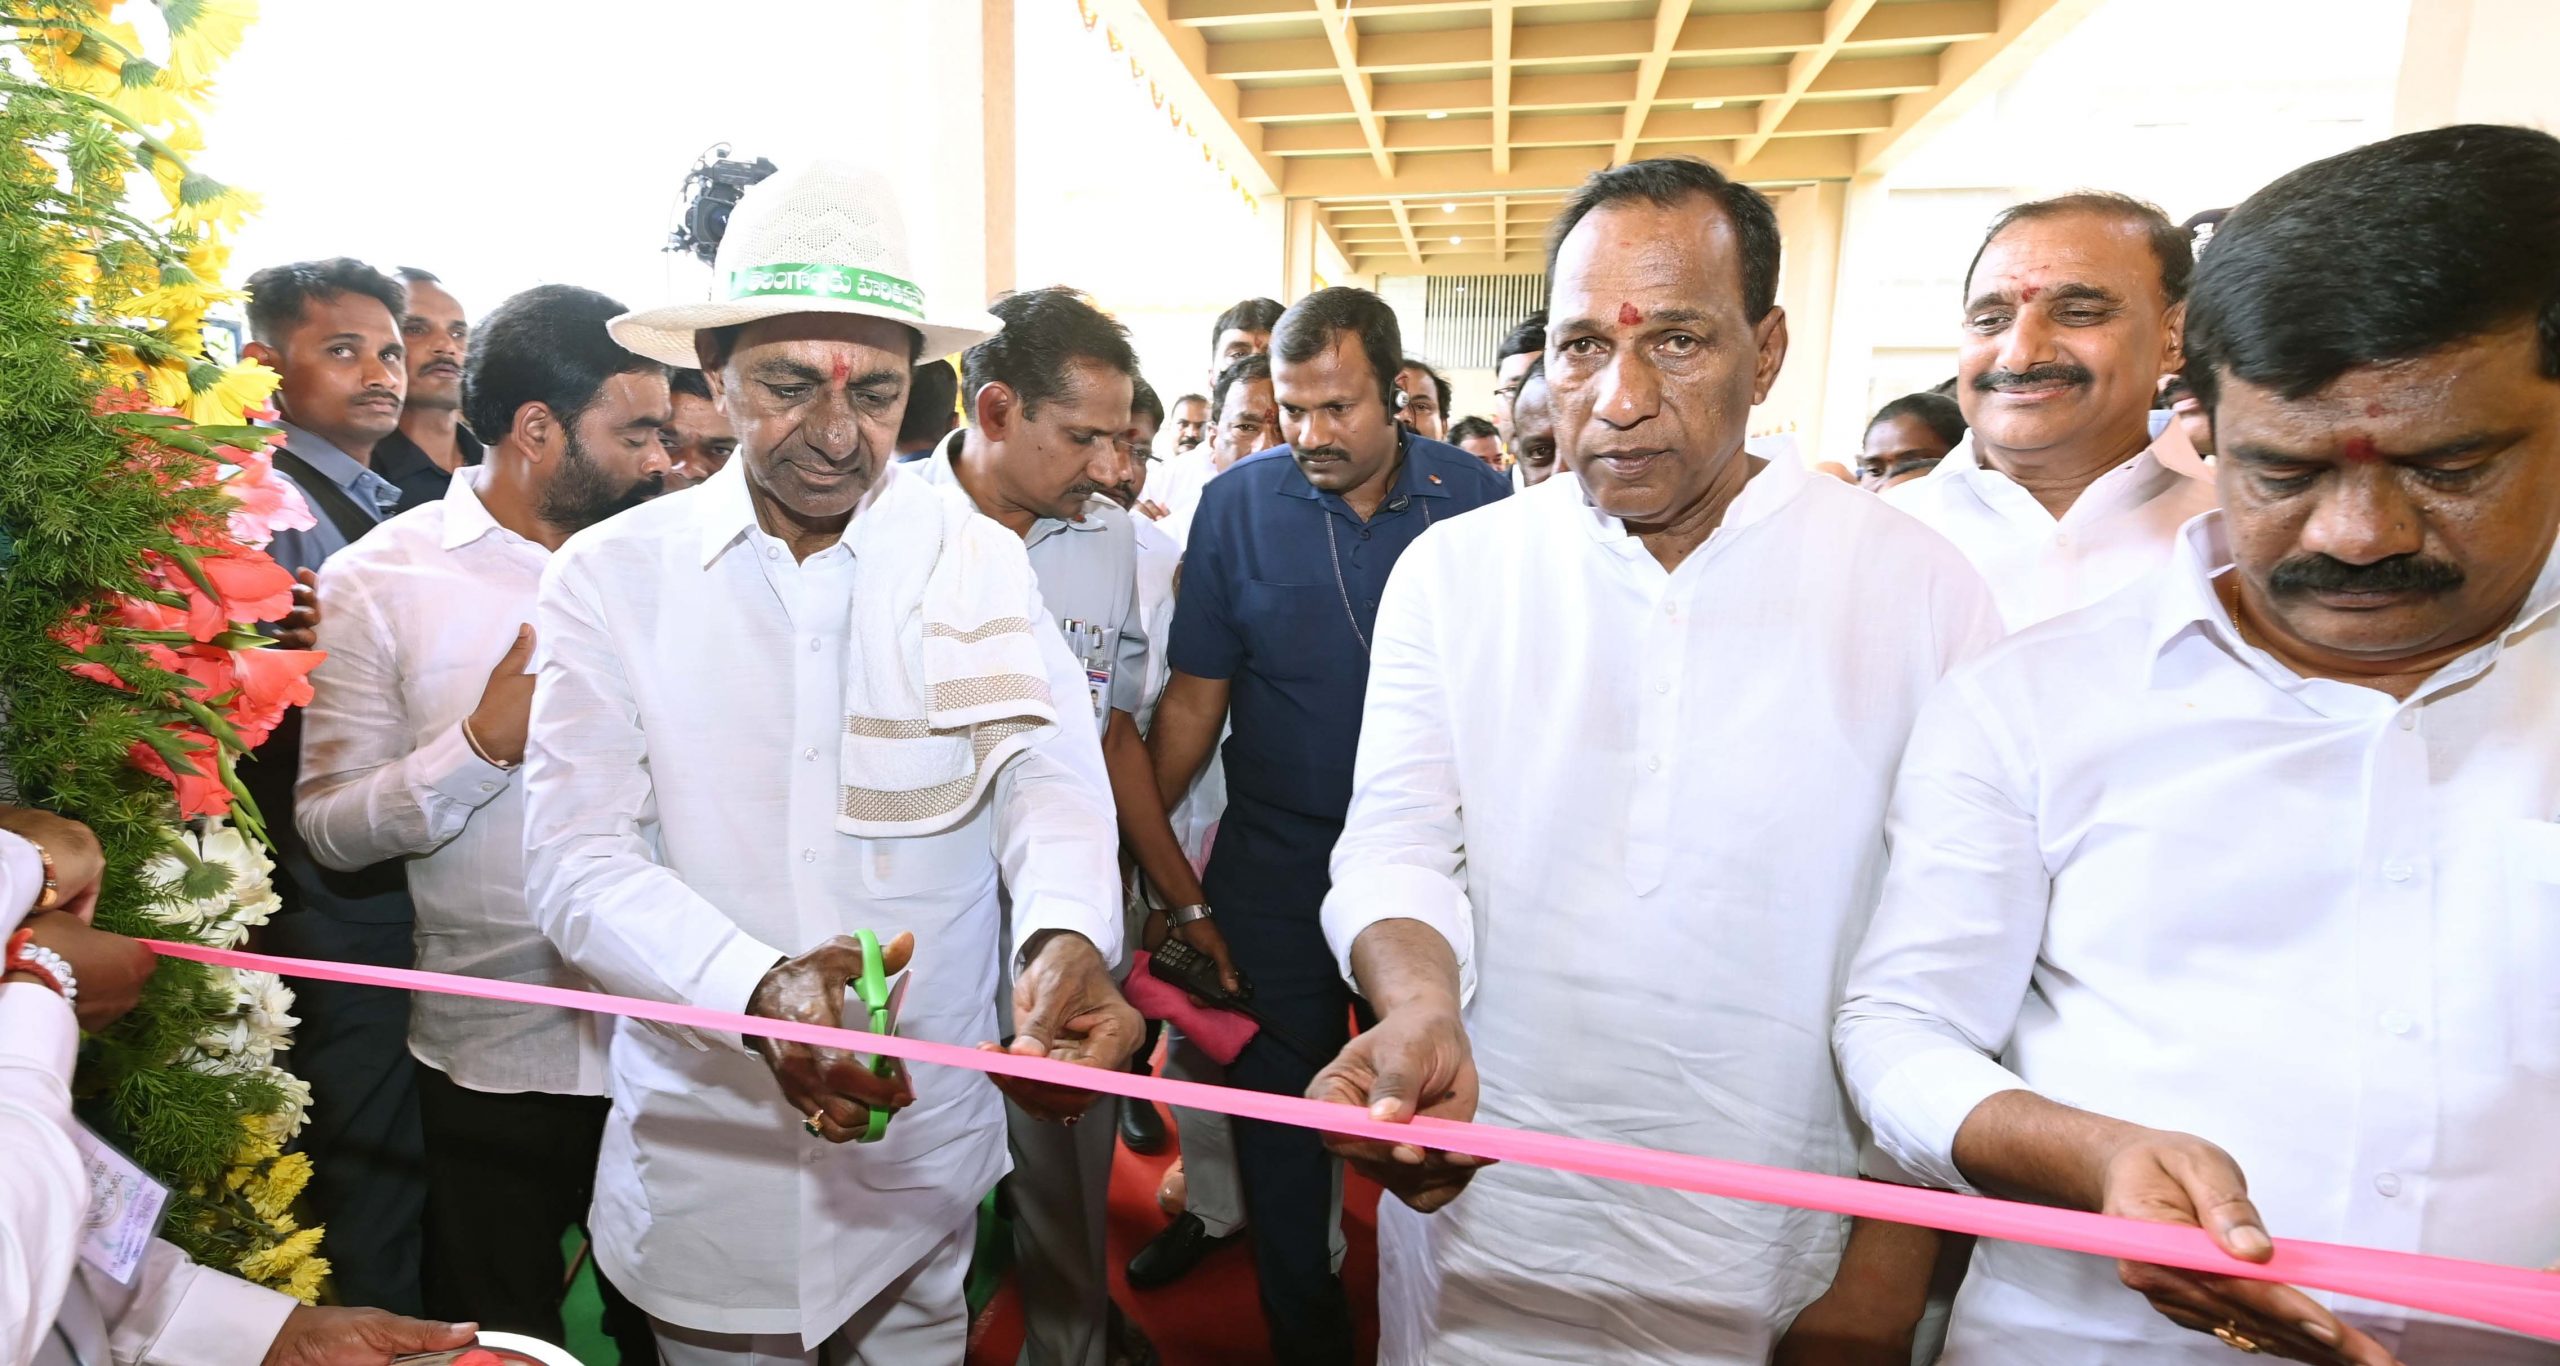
(1280, 585)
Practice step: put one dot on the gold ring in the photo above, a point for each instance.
(811, 1124)
(2233, 1338)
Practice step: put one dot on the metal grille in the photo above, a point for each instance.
(1465, 316)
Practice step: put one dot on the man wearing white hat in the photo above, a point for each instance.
(743, 752)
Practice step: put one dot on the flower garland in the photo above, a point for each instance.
(134, 502)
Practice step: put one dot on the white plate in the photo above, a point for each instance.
(535, 1348)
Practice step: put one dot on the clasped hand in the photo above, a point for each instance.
(1066, 1008)
(1414, 1061)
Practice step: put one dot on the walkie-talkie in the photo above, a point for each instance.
(1177, 962)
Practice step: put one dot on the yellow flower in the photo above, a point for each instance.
(275, 1191)
(149, 95)
(255, 1146)
(76, 51)
(181, 295)
(304, 1283)
(227, 400)
(204, 33)
(203, 201)
(277, 1260)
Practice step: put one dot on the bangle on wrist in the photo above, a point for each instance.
(477, 752)
(43, 964)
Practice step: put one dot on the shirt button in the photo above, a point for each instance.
(813, 644)
(2396, 871)
(488, 787)
(808, 856)
(810, 754)
(1670, 609)
(2395, 1023)
(2387, 1184)
(773, 552)
(2408, 720)
(1663, 686)
(1653, 765)
(1364, 533)
(2062, 541)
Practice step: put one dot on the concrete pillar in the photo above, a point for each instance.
(1864, 255)
(2479, 61)
(1299, 235)
(1809, 221)
(995, 68)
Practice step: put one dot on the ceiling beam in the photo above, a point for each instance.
(1501, 228)
(1669, 16)
(1404, 224)
(1532, 90)
(1177, 59)
(1213, 13)
(1969, 72)
(1931, 21)
(1435, 174)
(1345, 40)
(1839, 20)
(1501, 18)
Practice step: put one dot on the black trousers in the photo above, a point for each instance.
(1286, 1173)
(508, 1175)
(368, 1182)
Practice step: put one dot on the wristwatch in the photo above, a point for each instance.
(1180, 916)
(34, 959)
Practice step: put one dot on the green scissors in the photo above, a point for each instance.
(880, 1002)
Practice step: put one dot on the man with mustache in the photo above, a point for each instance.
(742, 753)
(1280, 590)
(2234, 900)
(412, 740)
(1533, 429)
(2072, 311)
(1174, 491)
(1190, 419)
(331, 330)
(431, 441)
(1609, 846)
(1247, 423)
(1048, 401)
(699, 441)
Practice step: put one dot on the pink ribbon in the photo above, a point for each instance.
(2507, 1297)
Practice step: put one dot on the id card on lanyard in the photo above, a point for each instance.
(125, 1208)
(1091, 645)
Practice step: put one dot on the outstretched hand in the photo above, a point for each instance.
(1415, 1061)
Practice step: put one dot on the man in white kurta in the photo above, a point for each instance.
(683, 809)
(1642, 808)
(2234, 900)
(2072, 312)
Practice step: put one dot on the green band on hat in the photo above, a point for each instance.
(827, 282)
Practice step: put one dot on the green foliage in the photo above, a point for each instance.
(77, 516)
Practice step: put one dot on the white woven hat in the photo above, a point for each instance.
(820, 237)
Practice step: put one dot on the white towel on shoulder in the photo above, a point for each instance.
(945, 682)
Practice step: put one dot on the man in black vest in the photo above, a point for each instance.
(332, 330)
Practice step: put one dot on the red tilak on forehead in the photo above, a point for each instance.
(2028, 294)
(2359, 451)
(841, 368)
(1628, 316)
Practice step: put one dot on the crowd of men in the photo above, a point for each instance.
(2157, 815)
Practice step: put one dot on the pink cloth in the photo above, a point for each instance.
(1221, 1034)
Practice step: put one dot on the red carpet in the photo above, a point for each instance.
(1211, 1317)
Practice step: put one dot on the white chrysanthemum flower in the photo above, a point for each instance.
(268, 1007)
(281, 1126)
(252, 897)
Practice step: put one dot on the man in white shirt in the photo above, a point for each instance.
(1048, 400)
(693, 833)
(1609, 849)
(2265, 852)
(410, 747)
(2073, 309)
(55, 1309)
(1173, 491)
(1246, 422)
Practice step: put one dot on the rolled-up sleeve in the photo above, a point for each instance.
(595, 887)
(364, 795)
(1402, 854)
(1057, 837)
(1934, 994)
